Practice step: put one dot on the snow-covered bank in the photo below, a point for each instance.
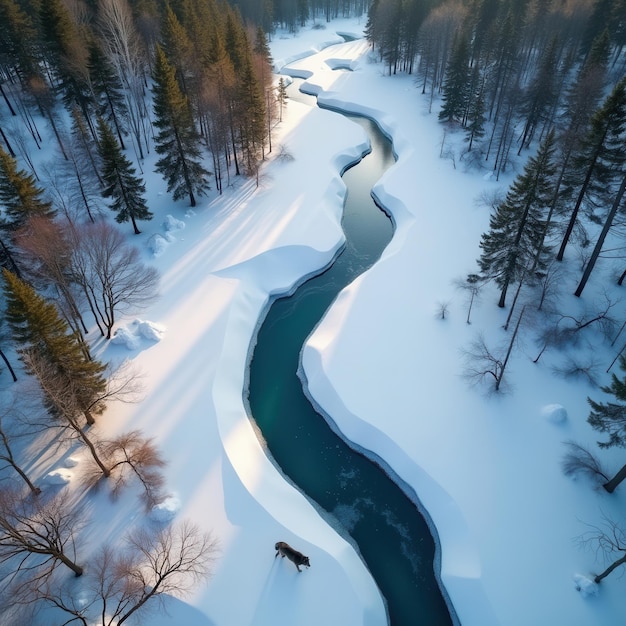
(487, 468)
(218, 276)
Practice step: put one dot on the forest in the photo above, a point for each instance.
(533, 87)
(536, 90)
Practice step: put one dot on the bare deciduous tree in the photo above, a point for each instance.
(121, 583)
(119, 459)
(124, 51)
(607, 540)
(128, 456)
(47, 247)
(579, 461)
(472, 285)
(585, 368)
(567, 329)
(483, 363)
(8, 431)
(36, 534)
(110, 273)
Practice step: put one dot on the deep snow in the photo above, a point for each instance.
(486, 467)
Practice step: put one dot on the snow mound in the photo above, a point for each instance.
(157, 244)
(71, 461)
(61, 476)
(125, 337)
(554, 413)
(586, 586)
(166, 510)
(150, 330)
(170, 223)
(131, 335)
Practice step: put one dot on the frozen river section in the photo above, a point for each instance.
(392, 536)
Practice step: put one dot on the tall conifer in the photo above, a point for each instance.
(600, 158)
(38, 327)
(177, 140)
(456, 83)
(108, 91)
(126, 190)
(20, 197)
(515, 240)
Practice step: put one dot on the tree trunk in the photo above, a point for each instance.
(616, 480)
(4, 358)
(510, 349)
(609, 569)
(89, 417)
(605, 231)
(77, 569)
(106, 472)
(579, 199)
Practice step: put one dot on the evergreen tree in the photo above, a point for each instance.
(66, 51)
(177, 140)
(39, 328)
(475, 125)
(177, 47)
(235, 40)
(610, 418)
(281, 97)
(250, 113)
(601, 157)
(20, 197)
(17, 40)
(455, 87)
(108, 91)
(121, 184)
(541, 94)
(515, 240)
(597, 249)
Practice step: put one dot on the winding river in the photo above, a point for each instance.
(386, 526)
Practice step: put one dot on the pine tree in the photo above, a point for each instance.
(515, 241)
(121, 184)
(38, 327)
(456, 83)
(281, 97)
(601, 157)
(541, 94)
(177, 47)
(17, 40)
(177, 140)
(475, 124)
(67, 53)
(20, 197)
(108, 91)
(250, 114)
(610, 418)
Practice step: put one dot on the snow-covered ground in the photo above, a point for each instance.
(486, 467)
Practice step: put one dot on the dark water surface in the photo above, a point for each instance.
(391, 534)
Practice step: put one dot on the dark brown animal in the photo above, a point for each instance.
(285, 550)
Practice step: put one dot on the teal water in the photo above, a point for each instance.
(392, 536)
